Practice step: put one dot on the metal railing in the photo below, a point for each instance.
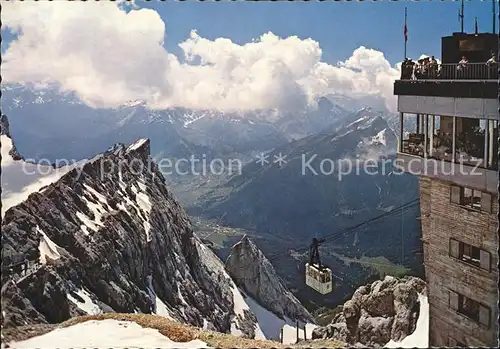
(450, 71)
(17, 270)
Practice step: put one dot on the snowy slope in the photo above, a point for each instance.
(420, 337)
(21, 178)
(47, 248)
(290, 333)
(87, 305)
(271, 325)
(380, 137)
(105, 334)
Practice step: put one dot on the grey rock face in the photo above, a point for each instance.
(5, 131)
(253, 272)
(247, 323)
(387, 309)
(121, 240)
(373, 331)
(4, 126)
(18, 310)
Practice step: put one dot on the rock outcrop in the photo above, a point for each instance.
(253, 273)
(387, 309)
(5, 131)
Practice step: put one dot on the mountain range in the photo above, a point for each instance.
(45, 118)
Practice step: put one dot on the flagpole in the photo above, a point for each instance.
(494, 18)
(406, 29)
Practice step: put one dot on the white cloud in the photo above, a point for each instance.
(425, 56)
(108, 56)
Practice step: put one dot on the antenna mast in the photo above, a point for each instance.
(461, 16)
(494, 17)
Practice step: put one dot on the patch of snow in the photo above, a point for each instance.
(20, 178)
(105, 334)
(94, 159)
(137, 144)
(290, 332)
(151, 292)
(132, 103)
(209, 259)
(162, 309)
(192, 118)
(361, 119)
(420, 337)
(87, 223)
(47, 248)
(144, 203)
(380, 138)
(183, 301)
(241, 304)
(235, 331)
(17, 101)
(268, 324)
(88, 305)
(99, 196)
(159, 308)
(96, 209)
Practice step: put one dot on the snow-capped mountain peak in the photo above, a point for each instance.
(380, 138)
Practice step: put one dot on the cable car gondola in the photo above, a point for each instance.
(318, 276)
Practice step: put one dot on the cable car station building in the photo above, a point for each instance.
(449, 137)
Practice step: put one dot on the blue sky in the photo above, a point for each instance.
(339, 27)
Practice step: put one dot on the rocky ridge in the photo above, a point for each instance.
(5, 131)
(254, 274)
(387, 309)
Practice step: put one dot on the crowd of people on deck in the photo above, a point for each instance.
(428, 68)
(424, 68)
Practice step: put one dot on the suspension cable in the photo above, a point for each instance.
(340, 234)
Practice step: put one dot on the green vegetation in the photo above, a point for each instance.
(380, 265)
(324, 316)
(211, 230)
